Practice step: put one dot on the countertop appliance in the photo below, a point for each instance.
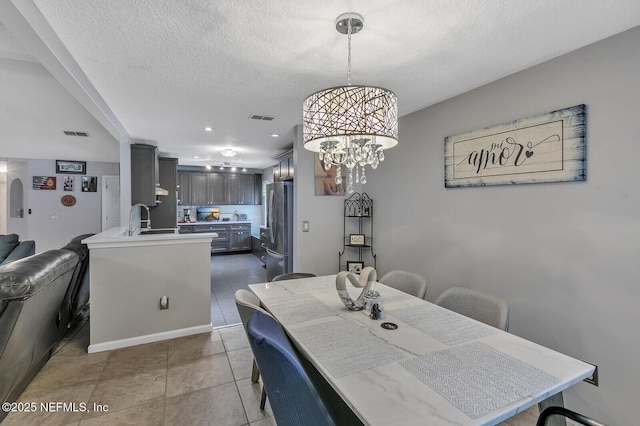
(279, 256)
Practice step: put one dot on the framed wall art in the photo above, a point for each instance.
(89, 184)
(73, 167)
(44, 183)
(356, 239)
(548, 147)
(355, 267)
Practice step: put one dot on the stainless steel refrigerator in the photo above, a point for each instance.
(280, 223)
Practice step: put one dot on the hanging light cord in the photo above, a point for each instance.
(349, 56)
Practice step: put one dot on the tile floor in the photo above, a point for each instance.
(195, 380)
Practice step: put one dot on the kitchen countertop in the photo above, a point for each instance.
(215, 222)
(117, 236)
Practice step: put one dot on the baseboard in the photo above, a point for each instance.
(149, 338)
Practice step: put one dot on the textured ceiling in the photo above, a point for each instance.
(167, 69)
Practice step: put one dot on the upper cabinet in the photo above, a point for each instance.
(284, 170)
(206, 188)
(145, 174)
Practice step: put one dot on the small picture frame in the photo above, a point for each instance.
(89, 184)
(356, 239)
(355, 267)
(68, 183)
(71, 167)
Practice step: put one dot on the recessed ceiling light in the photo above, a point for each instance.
(229, 152)
(233, 169)
(208, 129)
(208, 167)
(244, 169)
(195, 157)
(275, 135)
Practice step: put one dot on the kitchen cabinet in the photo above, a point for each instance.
(184, 188)
(231, 236)
(284, 170)
(145, 174)
(239, 237)
(357, 243)
(204, 188)
(165, 213)
(239, 189)
(207, 188)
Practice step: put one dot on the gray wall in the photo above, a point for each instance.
(564, 255)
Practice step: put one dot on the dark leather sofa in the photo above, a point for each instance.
(41, 296)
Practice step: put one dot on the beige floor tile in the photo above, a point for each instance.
(234, 338)
(218, 406)
(241, 361)
(149, 414)
(193, 347)
(62, 371)
(526, 418)
(136, 359)
(250, 393)
(73, 401)
(198, 374)
(121, 392)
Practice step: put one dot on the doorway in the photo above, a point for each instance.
(110, 202)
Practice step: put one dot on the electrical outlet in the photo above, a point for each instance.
(593, 379)
(164, 302)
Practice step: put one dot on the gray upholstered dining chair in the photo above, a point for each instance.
(406, 281)
(247, 304)
(292, 276)
(477, 305)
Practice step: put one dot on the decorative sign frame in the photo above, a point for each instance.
(74, 167)
(548, 147)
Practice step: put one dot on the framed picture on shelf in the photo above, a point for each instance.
(355, 267)
(75, 167)
(356, 239)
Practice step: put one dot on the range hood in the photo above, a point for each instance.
(161, 191)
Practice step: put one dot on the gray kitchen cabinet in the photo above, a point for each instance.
(219, 244)
(145, 174)
(284, 170)
(257, 189)
(184, 188)
(240, 189)
(240, 237)
(207, 189)
(165, 213)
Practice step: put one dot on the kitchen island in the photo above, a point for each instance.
(132, 276)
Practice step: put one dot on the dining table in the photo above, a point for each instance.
(420, 363)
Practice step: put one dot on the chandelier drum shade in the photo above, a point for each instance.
(350, 125)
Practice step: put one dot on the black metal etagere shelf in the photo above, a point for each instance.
(357, 248)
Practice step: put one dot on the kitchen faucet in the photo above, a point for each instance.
(133, 227)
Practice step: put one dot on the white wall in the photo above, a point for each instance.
(564, 255)
(49, 231)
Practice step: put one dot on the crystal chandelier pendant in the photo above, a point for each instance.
(349, 125)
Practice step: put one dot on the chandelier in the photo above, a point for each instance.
(350, 125)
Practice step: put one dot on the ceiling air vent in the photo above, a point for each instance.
(261, 117)
(72, 133)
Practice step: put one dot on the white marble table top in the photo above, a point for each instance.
(438, 367)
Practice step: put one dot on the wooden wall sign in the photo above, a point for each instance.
(544, 148)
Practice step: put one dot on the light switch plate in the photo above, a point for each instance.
(305, 226)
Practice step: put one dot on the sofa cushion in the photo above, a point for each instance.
(7, 244)
(23, 249)
(27, 276)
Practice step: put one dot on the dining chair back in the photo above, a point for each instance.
(247, 304)
(477, 305)
(293, 397)
(561, 411)
(406, 281)
(292, 276)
